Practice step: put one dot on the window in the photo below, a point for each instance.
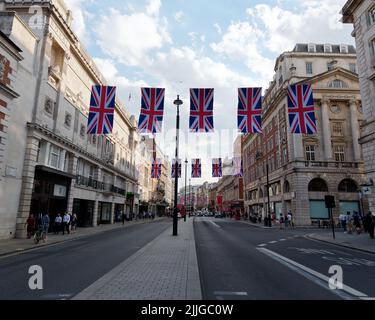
(312, 47)
(343, 48)
(337, 129)
(309, 68)
(348, 185)
(54, 156)
(330, 66)
(339, 153)
(338, 84)
(318, 185)
(310, 153)
(372, 15)
(353, 67)
(327, 48)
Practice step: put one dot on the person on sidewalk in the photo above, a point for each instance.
(290, 220)
(74, 223)
(357, 222)
(66, 223)
(342, 219)
(45, 224)
(372, 226)
(349, 222)
(281, 221)
(367, 222)
(58, 224)
(30, 223)
(123, 216)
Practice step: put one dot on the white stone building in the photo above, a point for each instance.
(305, 168)
(60, 166)
(361, 13)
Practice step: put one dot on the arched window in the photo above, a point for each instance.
(318, 185)
(348, 185)
(261, 193)
(338, 84)
(286, 187)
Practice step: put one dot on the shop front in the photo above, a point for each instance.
(84, 209)
(50, 192)
(104, 213)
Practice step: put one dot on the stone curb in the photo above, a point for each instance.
(314, 237)
(64, 240)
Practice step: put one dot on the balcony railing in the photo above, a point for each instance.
(98, 185)
(332, 164)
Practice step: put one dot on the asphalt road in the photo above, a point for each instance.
(240, 262)
(70, 267)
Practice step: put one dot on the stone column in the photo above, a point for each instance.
(355, 130)
(95, 217)
(113, 202)
(326, 134)
(72, 168)
(28, 176)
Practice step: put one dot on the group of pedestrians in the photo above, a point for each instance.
(42, 223)
(357, 223)
(286, 220)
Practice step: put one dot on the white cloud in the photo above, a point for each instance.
(178, 16)
(218, 28)
(130, 38)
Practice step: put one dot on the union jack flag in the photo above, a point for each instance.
(156, 169)
(102, 109)
(250, 110)
(174, 168)
(152, 110)
(301, 109)
(217, 168)
(238, 167)
(196, 168)
(201, 110)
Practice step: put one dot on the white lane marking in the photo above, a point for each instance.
(262, 245)
(216, 225)
(312, 272)
(282, 240)
(229, 293)
(272, 242)
(368, 298)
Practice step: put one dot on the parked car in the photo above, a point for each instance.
(219, 215)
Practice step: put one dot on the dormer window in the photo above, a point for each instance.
(343, 48)
(312, 47)
(327, 48)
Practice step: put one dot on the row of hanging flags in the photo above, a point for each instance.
(300, 108)
(196, 168)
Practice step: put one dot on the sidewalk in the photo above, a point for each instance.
(361, 242)
(20, 245)
(165, 269)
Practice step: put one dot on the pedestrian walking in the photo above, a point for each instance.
(367, 222)
(357, 222)
(58, 224)
(290, 220)
(30, 223)
(286, 221)
(123, 216)
(45, 225)
(281, 221)
(66, 223)
(74, 223)
(372, 226)
(349, 222)
(342, 219)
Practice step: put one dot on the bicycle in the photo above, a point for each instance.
(40, 235)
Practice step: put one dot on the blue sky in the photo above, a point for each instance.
(179, 44)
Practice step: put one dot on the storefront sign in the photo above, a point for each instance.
(59, 191)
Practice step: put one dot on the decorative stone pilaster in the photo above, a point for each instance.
(28, 175)
(72, 168)
(355, 130)
(327, 137)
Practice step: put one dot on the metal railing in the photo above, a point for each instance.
(98, 185)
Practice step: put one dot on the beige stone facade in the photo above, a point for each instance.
(361, 13)
(55, 166)
(305, 168)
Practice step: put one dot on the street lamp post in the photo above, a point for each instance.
(178, 103)
(258, 157)
(186, 163)
(189, 197)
